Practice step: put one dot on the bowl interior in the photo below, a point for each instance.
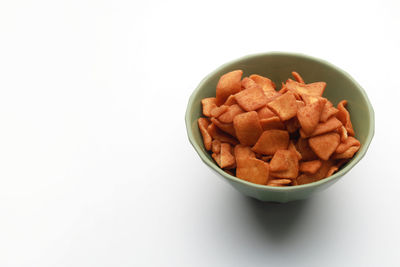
(278, 67)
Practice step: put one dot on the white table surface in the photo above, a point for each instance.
(95, 165)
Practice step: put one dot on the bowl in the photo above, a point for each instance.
(278, 67)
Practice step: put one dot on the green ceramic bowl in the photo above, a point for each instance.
(278, 66)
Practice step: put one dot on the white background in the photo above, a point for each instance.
(95, 165)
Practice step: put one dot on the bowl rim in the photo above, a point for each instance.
(361, 153)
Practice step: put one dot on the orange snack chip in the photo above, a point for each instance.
(344, 116)
(349, 142)
(310, 167)
(310, 115)
(229, 84)
(324, 145)
(320, 174)
(305, 150)
(251, 98)
(343, 133)
(253, 170)
(292, 125)
(203, 125)
(328, 111)
(227, 159)
(248, 83)
(305, 179)
(297, 77)
(217, 158)
(279, 182)
(293, 148)
(279, 161)
(300, 104)
(225, 127)
(230, 101)
(324, 127)
(309, 99)
(217, 111)
(271, 95)
(265, 113)
(243, 152)
(272, 123)
(331, 171)
(348, 154)
(284, 106)
(247, 127)
(288, 137)
(216, 146)
(266, 84)
(208, 104)
(270, 141)
(315, 89)
(231, 112)
(283, 159)
(219, 135)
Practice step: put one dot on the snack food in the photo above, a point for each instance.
(286, 137)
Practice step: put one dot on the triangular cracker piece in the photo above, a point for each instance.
(253, 170)
(217, 111)
(328, 111)
(281, 159)
(343, 133)
(271, 95)
(279, 182)
(310, 167)
(225, 127)
(300, 104)
(248, 83)
(230, 101)
(208, 104)
(344, 116)
(292, 125)
(297, 77)
(331, 171)
(203, 125)
(216, 146)
(272, 123)
(247, 127)
(309, 116)
(324, 145)
(270, 141)
(227, 159)
(323, 127)
(230, 113)
(316, 89)
(349, 142)
(265, 113)
(293, 148)
(216, 133)
(217, 158)
(320, 174)
(348, 154)
(228, 84)
(284, 106)
(251, 98)
(243, 152)
(265, 83)
(305, 150)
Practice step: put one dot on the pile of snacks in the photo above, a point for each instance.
(288, 137)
